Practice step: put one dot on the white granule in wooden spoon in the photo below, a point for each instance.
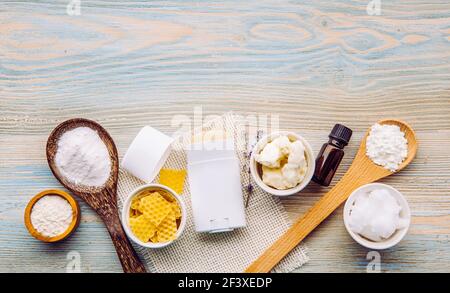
(82, 157)
(387, 146)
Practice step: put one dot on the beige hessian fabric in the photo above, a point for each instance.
(221, 252)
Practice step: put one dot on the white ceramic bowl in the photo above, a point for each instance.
(126, 214)
(310, 158)
(404, 213)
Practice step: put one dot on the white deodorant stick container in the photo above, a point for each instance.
(216, 190)
(147, 154)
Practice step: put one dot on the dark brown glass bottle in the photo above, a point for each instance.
(331, 154)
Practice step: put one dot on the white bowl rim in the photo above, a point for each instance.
(126, 212)
(397, 236)
(309, 173)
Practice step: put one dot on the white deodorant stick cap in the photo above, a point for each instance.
(147, 154)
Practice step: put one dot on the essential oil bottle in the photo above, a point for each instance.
(331, 154)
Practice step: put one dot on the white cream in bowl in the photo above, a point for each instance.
(282, 163)
(377, 216)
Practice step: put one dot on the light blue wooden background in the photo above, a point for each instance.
(131, 63)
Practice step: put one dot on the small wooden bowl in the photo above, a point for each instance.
(75, 218)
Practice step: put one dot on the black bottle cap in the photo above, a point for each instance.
(341, 133)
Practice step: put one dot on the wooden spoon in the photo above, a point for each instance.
(361, 172)
(102, 199)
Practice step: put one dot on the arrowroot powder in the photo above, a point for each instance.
(387, 146)
(82, 157)
(51, 215)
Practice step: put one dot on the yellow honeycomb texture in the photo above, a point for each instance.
(153, 216)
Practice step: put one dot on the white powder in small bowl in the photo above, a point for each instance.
(51, 215)
(82, 157)
(387, 146)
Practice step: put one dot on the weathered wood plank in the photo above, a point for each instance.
(131, 63)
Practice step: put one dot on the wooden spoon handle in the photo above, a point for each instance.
(127, 256)
(305, 224)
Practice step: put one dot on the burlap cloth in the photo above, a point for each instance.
(227, 252)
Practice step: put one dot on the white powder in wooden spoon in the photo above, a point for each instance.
(82, 157)
(387, 146)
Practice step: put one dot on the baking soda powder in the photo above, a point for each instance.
(82, 157)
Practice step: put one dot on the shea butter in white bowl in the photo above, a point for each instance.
(377, 216)
(256, 168)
